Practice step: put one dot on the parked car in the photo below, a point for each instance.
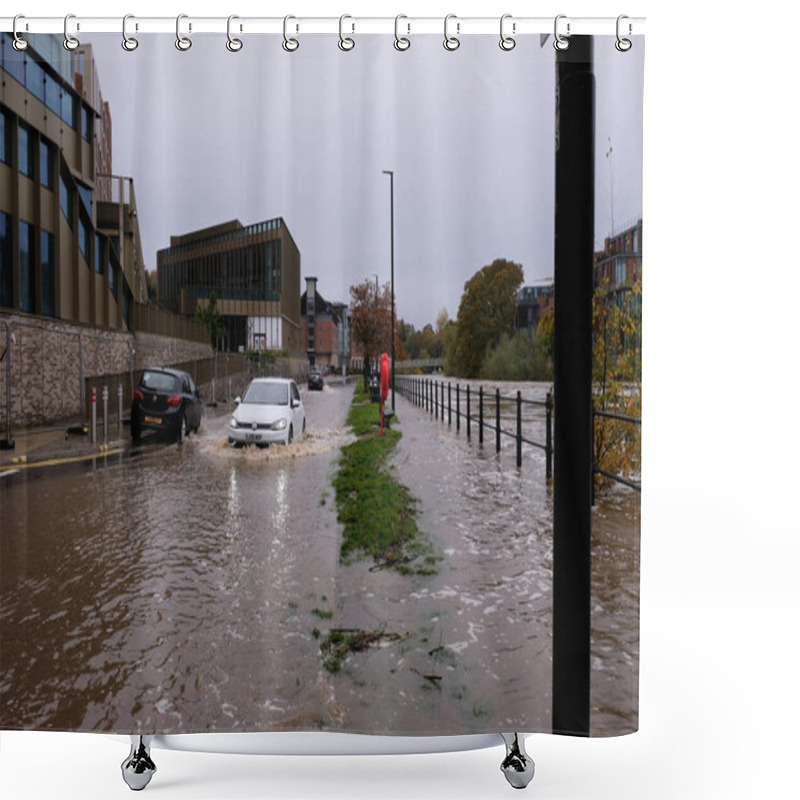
(315, 380)
(269, 412)
(166, 401)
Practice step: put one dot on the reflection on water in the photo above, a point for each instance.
(189, 589)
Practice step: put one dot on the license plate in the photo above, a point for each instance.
(252, 437)
(156, 420)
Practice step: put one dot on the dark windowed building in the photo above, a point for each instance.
(54, 129)
(254, 273)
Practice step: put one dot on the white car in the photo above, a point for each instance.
(269, 412)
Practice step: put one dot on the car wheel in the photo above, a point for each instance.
(182, 429)
(290, 437)
(136, 431)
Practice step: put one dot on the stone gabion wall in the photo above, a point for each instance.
(47, 359)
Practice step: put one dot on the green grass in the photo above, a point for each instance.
(377, 511)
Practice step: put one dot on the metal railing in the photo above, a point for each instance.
(437, 397)
(596, 469)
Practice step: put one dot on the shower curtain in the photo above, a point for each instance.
(450, 547)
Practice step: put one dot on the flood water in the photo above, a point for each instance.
(188, 589)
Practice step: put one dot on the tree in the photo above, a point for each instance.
(371, 319)
(210, 317)
(487, 309)
(616, 368)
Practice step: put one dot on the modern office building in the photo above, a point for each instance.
(55, 137)
(619, 263)
(254, 273)
(534, 302)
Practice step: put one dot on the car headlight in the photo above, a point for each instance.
(234, 423)
(280, 425)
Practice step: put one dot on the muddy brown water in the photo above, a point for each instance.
(188, 589)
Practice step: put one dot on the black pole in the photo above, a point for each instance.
(449, 406)
(390, 173)
(519, 428)
(469, 431)
(574, 253)
(458, 407)
(480, 414)
(497, 420)
(549, 440)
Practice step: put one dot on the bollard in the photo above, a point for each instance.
(469, 415)
(480, 414)
(105, 413)
(119, 411)
(94, 415)
(497, 420)
(449, 407)
(519, 428)
(458, 407)
(549, 440)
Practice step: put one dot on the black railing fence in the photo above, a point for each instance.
(461, 403)
(487, 409)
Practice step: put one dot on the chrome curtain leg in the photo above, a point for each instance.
(518, 766)
(138, 768)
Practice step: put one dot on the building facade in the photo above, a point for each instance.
(55, 260)
(325, 329)
(619, 263)
(254, 273)
(534, 302)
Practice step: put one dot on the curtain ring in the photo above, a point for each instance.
(507, 42)
(345, 43)
(400, 42)
(623, 45)
(234, 45)
(19, 42)
(183, 43)
(70, 42)
(128, 42)
(561, 42)
(451, 42)
(289, 45)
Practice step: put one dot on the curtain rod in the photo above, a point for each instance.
(404, 25)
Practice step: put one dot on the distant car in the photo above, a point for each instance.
(269, 412)
(166, 401)
(315, 380)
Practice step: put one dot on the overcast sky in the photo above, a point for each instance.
(210, 136)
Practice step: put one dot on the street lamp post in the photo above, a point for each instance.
(390, 173)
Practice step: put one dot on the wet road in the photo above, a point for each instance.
(189, 588)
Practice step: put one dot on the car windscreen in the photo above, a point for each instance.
(160, 382)
(269, 394)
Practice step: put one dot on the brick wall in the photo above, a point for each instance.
(48, 357)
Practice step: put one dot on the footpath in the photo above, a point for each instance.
(39, 448)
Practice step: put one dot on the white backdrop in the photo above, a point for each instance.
(720, 606)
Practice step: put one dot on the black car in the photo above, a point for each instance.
(166, 401)
(315, 380)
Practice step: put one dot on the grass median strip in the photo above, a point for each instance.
(377, 511)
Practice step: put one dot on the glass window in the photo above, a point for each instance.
(98, 255)
(83, 239)
(112, 279)
(34, 80)
(66, 200)
(636, 241)
(86, 123)
(5, 259)
(48, 276)
(52, 94)
(68, 109)
(13, 60)
(86, 197)
(26, 270)
(25, 147)
(5, 139)
(46, 164)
